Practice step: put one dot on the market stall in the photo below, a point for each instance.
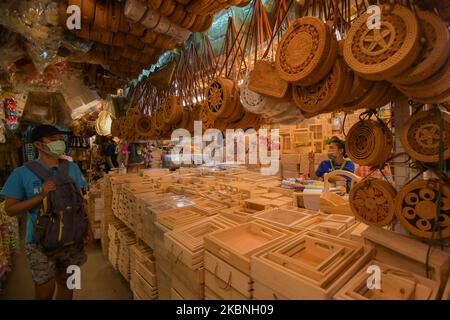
(262, 149)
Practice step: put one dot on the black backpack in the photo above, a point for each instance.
(62, 220)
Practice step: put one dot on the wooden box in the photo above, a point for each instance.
(186, 244)
(328, 224)
(396, 284)
(176, 218)
(226, 281)
(237, 244)
(143, 289)
(187, 292)
(310, 265)
(240, 214)
(284, 217)
(262, 292)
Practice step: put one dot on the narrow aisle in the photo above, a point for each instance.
(99, 280)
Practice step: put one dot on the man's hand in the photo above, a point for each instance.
(48, 187)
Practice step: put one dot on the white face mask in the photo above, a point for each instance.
(332, 156)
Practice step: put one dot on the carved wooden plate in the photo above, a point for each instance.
(372, 202)
(416, 209)
(379, 54)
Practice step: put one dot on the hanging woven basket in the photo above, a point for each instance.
(369, 143)
(416, 209)
(221, 97)
(302, 49)
(172, 111)
(421, 136)
(380, 54)
(372, 201)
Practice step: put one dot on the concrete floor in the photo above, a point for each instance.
(99, 280)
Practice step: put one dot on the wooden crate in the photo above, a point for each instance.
(407, 253)
(143, 289)
(237, 244)
(396, 284)
(316, 269)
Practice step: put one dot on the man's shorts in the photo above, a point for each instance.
(43, 266)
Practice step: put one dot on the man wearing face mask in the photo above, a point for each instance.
(27, 191)
(336, 161)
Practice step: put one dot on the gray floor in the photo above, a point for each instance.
(99, 280)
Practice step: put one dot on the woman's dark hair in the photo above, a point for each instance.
(340, 143)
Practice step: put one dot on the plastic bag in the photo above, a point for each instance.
(11, 50)
(36, 21)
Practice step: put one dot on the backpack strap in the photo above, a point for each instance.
(63, 168)
(39, 170)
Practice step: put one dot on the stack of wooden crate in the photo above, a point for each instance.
(107, 214)
(143, 273)
(227, 258)
(186, 250)
(114, 242)
(126, 240)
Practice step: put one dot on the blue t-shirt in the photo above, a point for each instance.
(23, 184)
(327, 166)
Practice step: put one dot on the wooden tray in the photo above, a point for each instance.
(328, 224)
(284, 217)
(295, 283)
(178, 217)
(187, 245)
(396, 284)
(237, 244)
(218, 273)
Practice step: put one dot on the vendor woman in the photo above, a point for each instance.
(336, 161)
